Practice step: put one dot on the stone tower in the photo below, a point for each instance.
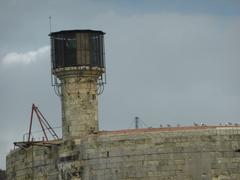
(78, 67)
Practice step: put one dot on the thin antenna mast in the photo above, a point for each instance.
(50, 23)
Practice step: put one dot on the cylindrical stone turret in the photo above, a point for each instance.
(78, 62)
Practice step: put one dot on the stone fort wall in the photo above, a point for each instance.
(34, 162)
(196, 153)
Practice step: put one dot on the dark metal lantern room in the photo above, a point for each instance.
(77, 48)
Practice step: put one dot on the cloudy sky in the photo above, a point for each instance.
(168, 61)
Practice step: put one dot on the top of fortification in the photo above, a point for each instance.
(170, 129)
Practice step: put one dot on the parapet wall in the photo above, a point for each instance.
(199, 154)
(203, 153)
(34, 162)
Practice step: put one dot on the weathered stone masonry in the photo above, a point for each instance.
(192, 154)
(35, 162)
(85, 153)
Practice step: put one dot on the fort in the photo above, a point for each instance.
(86, 153)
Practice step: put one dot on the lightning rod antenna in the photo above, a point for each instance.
(50, 23)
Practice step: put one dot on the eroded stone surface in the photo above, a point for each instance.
(79, 107)
(203, 154)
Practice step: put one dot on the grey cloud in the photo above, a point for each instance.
(13, 58)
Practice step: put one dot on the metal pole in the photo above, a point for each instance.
(136, 122)
(30, 126)
(40, 121)
(47, 125)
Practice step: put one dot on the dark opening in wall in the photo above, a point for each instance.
(107, 153)
(237, 150)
